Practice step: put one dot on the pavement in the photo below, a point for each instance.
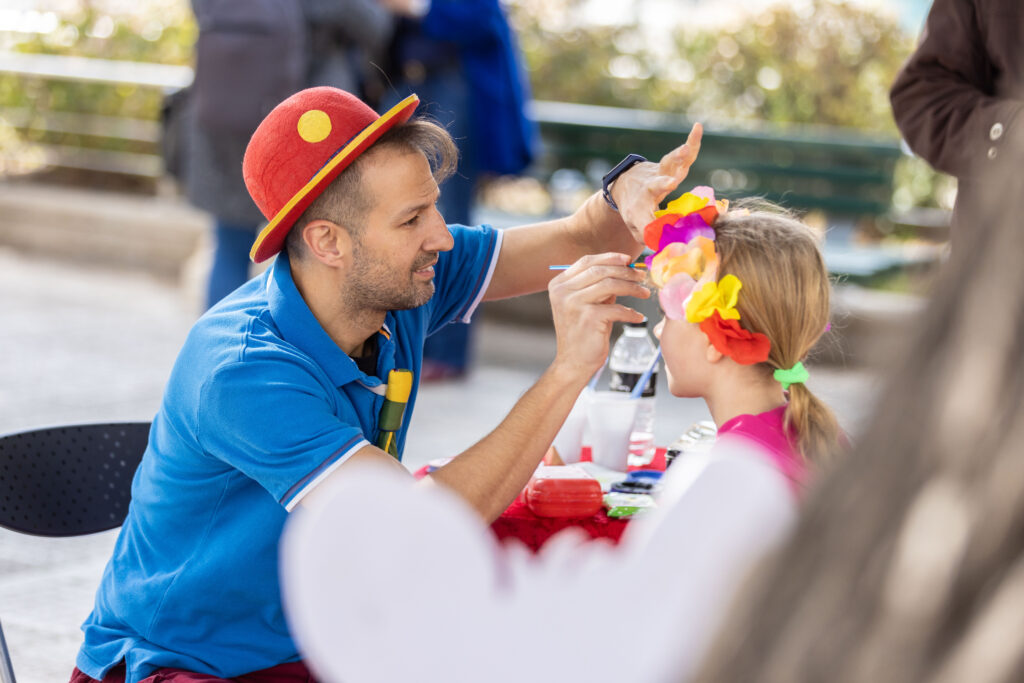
(84, 343)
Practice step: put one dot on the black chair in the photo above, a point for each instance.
(67, 481)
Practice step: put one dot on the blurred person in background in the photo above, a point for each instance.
(958, 98)
(462, 60)
(250, 55)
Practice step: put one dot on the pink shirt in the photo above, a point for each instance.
(765, 429)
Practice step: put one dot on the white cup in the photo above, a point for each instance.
(569, 440)
(610, 417)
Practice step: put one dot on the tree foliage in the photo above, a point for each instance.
(157, 35)
(821, 62)
(158, 32)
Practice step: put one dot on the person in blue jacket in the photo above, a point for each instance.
(462, 59)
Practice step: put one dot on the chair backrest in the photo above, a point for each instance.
(70, 480)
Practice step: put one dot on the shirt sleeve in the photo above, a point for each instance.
(463, 274)
(944, 99)
(275, 421)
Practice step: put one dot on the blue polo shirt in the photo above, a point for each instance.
(261, 406)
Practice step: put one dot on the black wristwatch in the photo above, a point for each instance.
(629, 162)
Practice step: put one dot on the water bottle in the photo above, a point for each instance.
(631, 354)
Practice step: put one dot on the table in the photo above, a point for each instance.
(518, 522)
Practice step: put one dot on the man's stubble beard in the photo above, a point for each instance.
(373, 286)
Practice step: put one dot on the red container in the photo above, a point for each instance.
(563, 491)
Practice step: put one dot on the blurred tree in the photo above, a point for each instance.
(826, 63)
(822, 62)
(17, 157)
(155, 32)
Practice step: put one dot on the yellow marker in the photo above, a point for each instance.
(391, 413)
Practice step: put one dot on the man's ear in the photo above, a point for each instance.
(327, 242)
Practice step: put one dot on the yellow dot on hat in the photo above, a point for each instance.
(314, 125)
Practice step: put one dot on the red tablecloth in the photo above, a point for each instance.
(520, 523)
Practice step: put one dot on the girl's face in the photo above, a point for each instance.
(685, 350)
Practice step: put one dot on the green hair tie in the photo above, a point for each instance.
(795, 375)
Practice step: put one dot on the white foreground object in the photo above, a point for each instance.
(386, 580)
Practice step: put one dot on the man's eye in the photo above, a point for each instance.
(412, 221)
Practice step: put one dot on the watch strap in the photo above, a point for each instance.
(629, 162)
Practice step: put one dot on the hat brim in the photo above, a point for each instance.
(272, 236)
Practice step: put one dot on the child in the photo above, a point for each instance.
(745, 296)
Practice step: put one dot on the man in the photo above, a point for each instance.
(279, 386)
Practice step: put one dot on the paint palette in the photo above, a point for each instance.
(563, 491)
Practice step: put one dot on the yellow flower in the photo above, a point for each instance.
(683, 204)
(718, 296)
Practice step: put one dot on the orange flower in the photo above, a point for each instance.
(743, 346)
(693, 258)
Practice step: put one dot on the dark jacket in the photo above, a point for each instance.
(959, 97)
(341, 33)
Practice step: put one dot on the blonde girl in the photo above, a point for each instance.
(746, 296)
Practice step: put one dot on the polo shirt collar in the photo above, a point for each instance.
(300, 327)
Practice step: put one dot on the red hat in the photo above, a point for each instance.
(300, 147)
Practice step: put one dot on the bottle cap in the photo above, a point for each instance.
(640, 324)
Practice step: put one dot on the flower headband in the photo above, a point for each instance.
(685, 268)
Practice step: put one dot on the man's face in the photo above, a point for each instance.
(397, 245)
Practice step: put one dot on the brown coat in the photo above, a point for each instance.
(958, 98)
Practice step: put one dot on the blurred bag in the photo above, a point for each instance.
(250, 55)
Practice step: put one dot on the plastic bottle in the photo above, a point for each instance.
(630, 356)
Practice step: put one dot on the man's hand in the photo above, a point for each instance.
(584, 308)
(639, 191)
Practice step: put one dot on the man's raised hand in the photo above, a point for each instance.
(639, 191)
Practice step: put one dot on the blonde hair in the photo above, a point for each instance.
(785, 296)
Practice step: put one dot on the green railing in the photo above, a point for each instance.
(834, 170)
(84, 140)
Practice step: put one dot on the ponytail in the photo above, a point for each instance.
(785, 296)
(812, 424)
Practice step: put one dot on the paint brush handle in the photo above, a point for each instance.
(638, 390)
(639, 264)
